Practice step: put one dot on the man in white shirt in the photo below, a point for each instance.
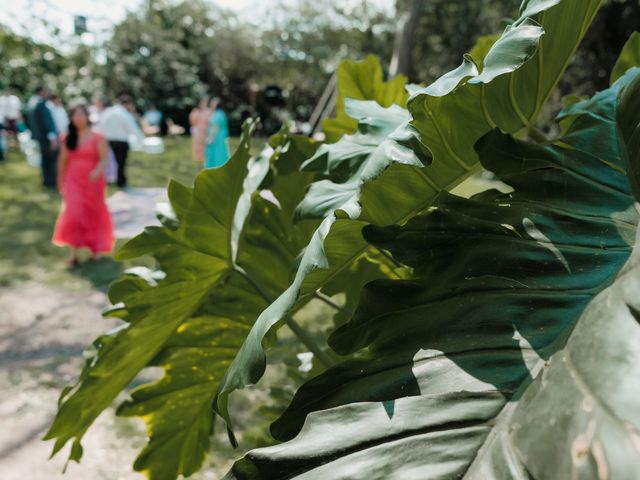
(59, 114)
(11, 111)
(120, 129)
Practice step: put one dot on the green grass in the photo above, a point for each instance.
(28, 214)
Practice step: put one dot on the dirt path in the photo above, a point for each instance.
(43, 331)
(134, 209)
(48, 317)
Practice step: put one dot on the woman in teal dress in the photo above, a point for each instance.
(217, 150)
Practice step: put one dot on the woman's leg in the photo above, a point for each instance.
(72, 261)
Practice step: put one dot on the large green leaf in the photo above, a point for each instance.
(629, 57)
(513, 353)
(385, 137)
(362, 81)
(449, 125)
(229, 255)
(384, 183)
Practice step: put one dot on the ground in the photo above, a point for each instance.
(49, 315)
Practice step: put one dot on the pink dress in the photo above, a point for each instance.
(199, 120)
(84, 220)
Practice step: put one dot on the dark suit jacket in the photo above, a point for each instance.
(41, 121)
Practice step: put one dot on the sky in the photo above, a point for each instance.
(101, 15)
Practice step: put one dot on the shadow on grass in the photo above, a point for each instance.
(100, 273)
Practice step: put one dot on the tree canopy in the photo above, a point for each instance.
(171, 53)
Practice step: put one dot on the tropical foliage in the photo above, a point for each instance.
(496, 336)
(518, 326)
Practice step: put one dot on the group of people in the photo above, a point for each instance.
(48, 122)
(209, 133)
(73, 159)
(77, 147)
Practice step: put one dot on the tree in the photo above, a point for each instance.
(403, 45)
(302, 46)
(27, 64)
(445, 28)
(149, 58)
(172, 53)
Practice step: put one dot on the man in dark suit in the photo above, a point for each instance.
(43, 130)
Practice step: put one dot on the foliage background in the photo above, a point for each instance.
(173, 52)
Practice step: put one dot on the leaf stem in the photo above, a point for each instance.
(308, 341)
(329, 301)
(299, 332)
(537, 135)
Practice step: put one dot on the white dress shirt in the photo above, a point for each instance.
(10, 105)
(60, 117)
(118, 125)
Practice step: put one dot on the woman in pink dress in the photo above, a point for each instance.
(84, 220)
(199, 120)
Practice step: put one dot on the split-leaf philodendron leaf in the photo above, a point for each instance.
(228, 248)
(362, 81)
(513, 352)
(450, 122)
(381, 178)
(229, 254)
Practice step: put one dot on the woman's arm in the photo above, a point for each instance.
(63, 158)
(102, 163)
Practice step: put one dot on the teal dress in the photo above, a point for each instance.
(217, 153)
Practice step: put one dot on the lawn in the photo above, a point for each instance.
(29, 213)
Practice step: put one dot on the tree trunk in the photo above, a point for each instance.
(403, 45)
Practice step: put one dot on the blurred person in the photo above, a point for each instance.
(84, 221)
(97, 107)
(11, 111)
(43, 130)
(59, 114)
(119, 127)
(152, 120)
(199, 121)
(217, 150)
(131, 108)
(173, 128)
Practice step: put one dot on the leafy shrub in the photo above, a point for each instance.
(487, 326)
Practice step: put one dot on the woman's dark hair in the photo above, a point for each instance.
(72, 136)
